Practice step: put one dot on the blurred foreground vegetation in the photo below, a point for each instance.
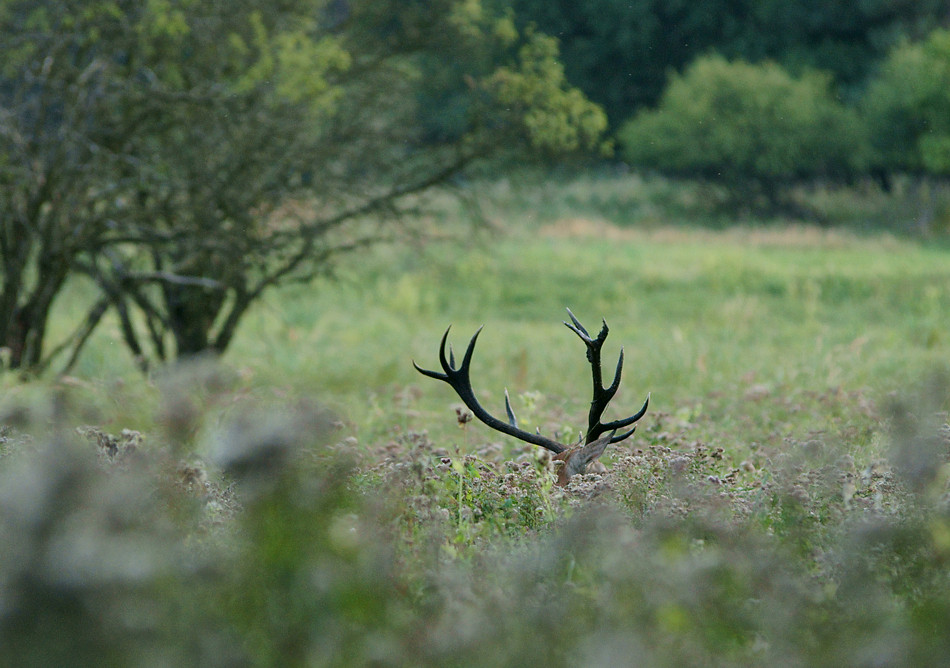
(281, 542)
(116, 552)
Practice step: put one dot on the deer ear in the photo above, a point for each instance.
(576, 460)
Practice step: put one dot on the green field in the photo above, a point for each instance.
(706, 319)
(774, 507)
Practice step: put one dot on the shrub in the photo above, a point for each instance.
(907, 107)
(755, 128)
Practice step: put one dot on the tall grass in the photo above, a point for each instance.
(698, 313)
(713, 314)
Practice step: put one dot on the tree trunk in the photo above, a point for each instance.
(192, 312)
(24, 330)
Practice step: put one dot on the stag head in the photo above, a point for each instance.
(573, 459)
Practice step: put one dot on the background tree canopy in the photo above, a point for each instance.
(619, 52)
(753, 127)
(908, 107)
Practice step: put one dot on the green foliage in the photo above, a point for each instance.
(620, 52)
(907, 106)
(298, 65)
(745, 124)
(556, 118)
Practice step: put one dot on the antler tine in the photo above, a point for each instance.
(593, 346)
(577, 327)
(512, 420)
(615, 384)
(460, 381)
(445, 365)
(599, 427)
(602, 395)
(620, 424)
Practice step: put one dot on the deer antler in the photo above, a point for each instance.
(603, 395)
(575, 458)
(460, 381)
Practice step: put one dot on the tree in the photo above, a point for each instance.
(252, 145)
(59, 137)
(754, 128)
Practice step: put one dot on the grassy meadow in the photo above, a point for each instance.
(699, 312)
(707, 318)
(782, 503)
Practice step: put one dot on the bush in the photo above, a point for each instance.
(907, 107)
(753, 127)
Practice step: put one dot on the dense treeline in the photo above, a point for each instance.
(761, 96)
(620, 52)
(759, 130)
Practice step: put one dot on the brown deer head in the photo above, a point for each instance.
(599, 434)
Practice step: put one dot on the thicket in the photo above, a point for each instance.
(907, 107)
(881, 62)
